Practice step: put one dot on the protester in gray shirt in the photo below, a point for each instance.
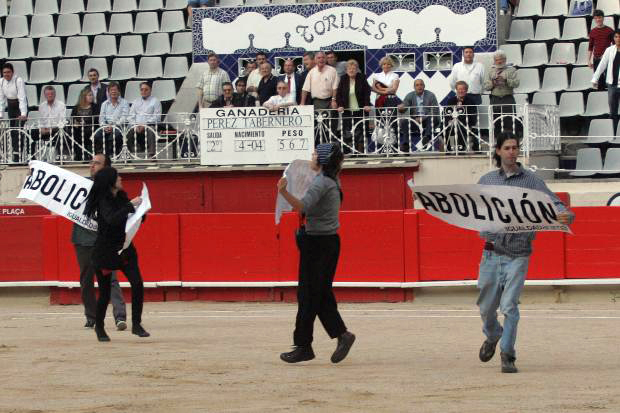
(83, 240)
(319, 248)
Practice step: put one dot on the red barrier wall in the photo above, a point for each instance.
(21, 251)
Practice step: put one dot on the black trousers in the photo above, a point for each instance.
(17, 139)
(129, 267)
(317, 266)
(504, 105)
(602, 81)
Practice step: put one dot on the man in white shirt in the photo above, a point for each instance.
(255, 77)
(211, 82)
(144, 115)
(13, 100)
(469, 72)
(114, 111)
(282, 99)
(52, 117)
(292, 80)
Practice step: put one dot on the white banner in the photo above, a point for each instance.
(492, 208)
(299, 176)
(135, 220)
(62, 192)
(255, 135)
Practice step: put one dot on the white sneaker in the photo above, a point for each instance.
(121, 325)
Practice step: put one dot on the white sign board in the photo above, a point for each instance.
(256, 135)
(135, 220)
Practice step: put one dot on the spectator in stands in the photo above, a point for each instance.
(255, 77)
(83, 241)
(308, 62)
(601, 37)
(250, 65)
(85, 118)
(611, 62)
(144, 115)
(501, 80)
(332, 60)
(267, 87)
(100, 91)
(292, 79)
(471, 73)
(353, 100)
(282, 99)
(211, 82)
(321, 84)
(242, 98)
(506, 256)
(13, 100)
(461, 116)
(385, 84)
(423, 108)
(52, 116)
(227, 100)
(114, 112)
(195, 4)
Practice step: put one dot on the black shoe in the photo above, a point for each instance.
(121, 325)
(89, 324)
(487, 350)
(299, 353)
(345, 341)
(139, 331)
(508, 363)
(101, 334)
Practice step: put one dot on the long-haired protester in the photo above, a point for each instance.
(319, 246)
(109, 205)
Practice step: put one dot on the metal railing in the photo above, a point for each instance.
(383, 132)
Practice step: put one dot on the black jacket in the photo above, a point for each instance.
(298, 85)
(112, 213)
(102, 95)
(470, 110)
(362, 91)
(267, 89)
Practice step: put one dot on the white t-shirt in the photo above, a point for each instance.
(472, 74)
(385, 78)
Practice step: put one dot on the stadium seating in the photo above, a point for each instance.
(600, 131)
(588, 159)
(612, 161)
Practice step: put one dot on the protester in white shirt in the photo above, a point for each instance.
(13, 100)
(469, 72)
(282, 99)
(144, 115)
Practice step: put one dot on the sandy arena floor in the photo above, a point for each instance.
(223, 357)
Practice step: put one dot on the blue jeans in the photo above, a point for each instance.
(613, 96)
(500, 283)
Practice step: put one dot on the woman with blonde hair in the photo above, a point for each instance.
(84, 118)
(353, 99)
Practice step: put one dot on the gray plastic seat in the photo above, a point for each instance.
(46, 7)
(49, 48)
(607, 21)
(15, 26)
(98, 63)
(73, 94)
(164, 90)
(68, 25)
(513, 53)
(72, 6)
(42, 26)
(21, 8)
(600, 131)
(150, 68)
(98, 6)
(77, 46)
(4, 52)
(146, 22)
(121, 23)
(574, 28)
(582, 54)
(175, 67)
(547, 29)
(521, 30)
(131, 45)
(609, 7)
(94, 24)
(230, 3)
(597, 104)
(104, 45)
(544, 98)
(176, 4)
(21, 69)
(132, 90)
(258, 2)
(562, 54)
(529, 8)
(157, 44)
(520, 99)
(22, 48)
(588, 159)
(535, 54)
(31, 95)
(555, 79)
(529, 81)
(554, 8)
(123, 68)
(41, 71)
(68, 71)
(147, 5)
(580, 79)
(123, 6)
(172, 21)
(181, 43)
(612, 161)
(483, 111)
(571, 104)
(3, 8)
(60, 93)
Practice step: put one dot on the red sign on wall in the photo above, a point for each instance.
(22, 210)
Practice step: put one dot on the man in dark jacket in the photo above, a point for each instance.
(100, 91)
(292, 79)
(461, 117)
(424, 111)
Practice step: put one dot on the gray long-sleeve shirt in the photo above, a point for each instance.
(519, 244)
(321, 206)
